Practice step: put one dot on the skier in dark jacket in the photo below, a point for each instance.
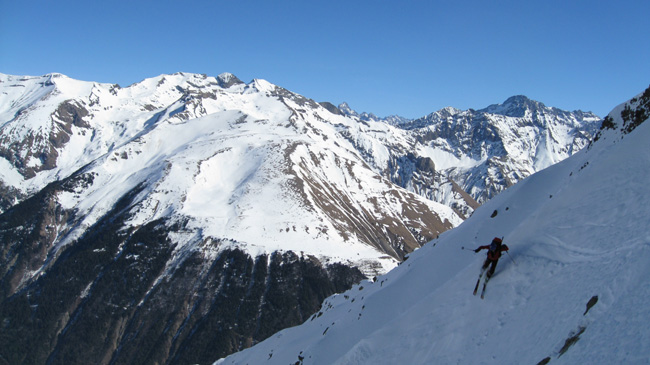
(494, 253)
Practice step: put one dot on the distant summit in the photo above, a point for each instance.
(519, 105)
(515, 106)
(485, 151)
(395, 120)
(227, 80)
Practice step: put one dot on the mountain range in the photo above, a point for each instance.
(488, 150)
(186, 217)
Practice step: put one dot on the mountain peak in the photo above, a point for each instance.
(346, 110)
(227, 80)
(394, 120)
(449, 110)
(261, 85)
(518, 99)
(56, 75)
(515, 106)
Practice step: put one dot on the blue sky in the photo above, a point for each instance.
(387, 57)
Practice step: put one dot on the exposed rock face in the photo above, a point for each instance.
(37, 150)
(632, 113)
(9, 196)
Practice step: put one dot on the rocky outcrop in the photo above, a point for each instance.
(37, 150)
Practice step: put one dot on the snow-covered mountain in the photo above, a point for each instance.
(481, 152)
(439, 156)
(573, 288)
(396, 120)
(146, 222)
(248, 162)
(186, 197)
(486, 151)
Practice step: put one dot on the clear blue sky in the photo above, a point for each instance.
(387, 57)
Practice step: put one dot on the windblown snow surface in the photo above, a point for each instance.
(576, 230)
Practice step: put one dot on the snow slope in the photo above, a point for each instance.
(576, 230)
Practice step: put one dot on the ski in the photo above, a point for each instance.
(478, 281)
(484, 285)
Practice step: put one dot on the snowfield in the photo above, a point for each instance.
(578, 233)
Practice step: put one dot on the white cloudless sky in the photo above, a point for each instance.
(408, 58)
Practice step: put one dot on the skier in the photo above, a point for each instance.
(493, 255)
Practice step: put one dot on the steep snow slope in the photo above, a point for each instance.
(576, 231)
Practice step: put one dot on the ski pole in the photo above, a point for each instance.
(466, 249)
(513, 261)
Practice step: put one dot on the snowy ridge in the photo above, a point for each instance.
(485, 151)
(87, 120)
(482, 151)
(252, 163)
(228, 155)
(394, 120)
(573, 289)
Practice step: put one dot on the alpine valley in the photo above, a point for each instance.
(187, 217)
